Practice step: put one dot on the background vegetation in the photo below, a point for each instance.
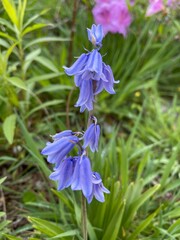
(139, 149)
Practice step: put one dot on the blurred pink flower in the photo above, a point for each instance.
(154, 7)
(173, 3)
(102, 1)
(113, 15)
(132, 2)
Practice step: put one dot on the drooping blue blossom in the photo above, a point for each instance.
(91, 74)
(107, 82)
(86, 96)
(64, 172)
(98, 188)
(87, 64)
(82, 176)
(57, 150)
(91, 137)
(95, 35)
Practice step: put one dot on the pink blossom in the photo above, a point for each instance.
(154, 7)
(173, 3)
(132, 2)
(113, 16)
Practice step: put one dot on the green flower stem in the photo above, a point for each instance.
(84, 217)
(83, 199)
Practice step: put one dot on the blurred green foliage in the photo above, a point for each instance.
(139, 149)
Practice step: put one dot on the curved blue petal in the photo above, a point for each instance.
(99, 33)
(54, 147)
(60, 144)
(76, 183)
(98, 194)
(97, 134)
(108, 86)
(65, 133)
(96, 178)
(77, 66)
(88, 135)
(91, 137)
(78, 80)
(104, 189)
(65, 179)
(86, 176)
(99, 87)
(86, 96)
(94, 63)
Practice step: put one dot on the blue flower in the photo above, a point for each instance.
(82, 176)
(78, 65)
(63, 174)
(87, 64)
(98, 188)
(91, 137)
(62, 145)
(91, 74)
(86, 96)
(95, 35)
(107, 82)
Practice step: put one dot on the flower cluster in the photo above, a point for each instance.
(91, 74)
(75, 171)
(155, 6)
(115, 17)
(173, 3)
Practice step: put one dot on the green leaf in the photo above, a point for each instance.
(44, 77)
(3, 224)
(49, 228)
(21, 12)
(65, 234)
(9, 127)
(31, 146)
(143, 225)
(10, 50)
(174, 227)
(138, 203)
(64, 199)
(46, 39)
(4, 43)
(168, 167)
(53, 88)
(34, 27)
(43, 106)
(10, 237)
(6, 23)
(2, 180)
(2, 214)
(111, 232)
(47, 63)
(124, 166)
(174, 213)
(33, 18)
(5, 35)
(31, 57)
(11, 11)
(17, 82)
